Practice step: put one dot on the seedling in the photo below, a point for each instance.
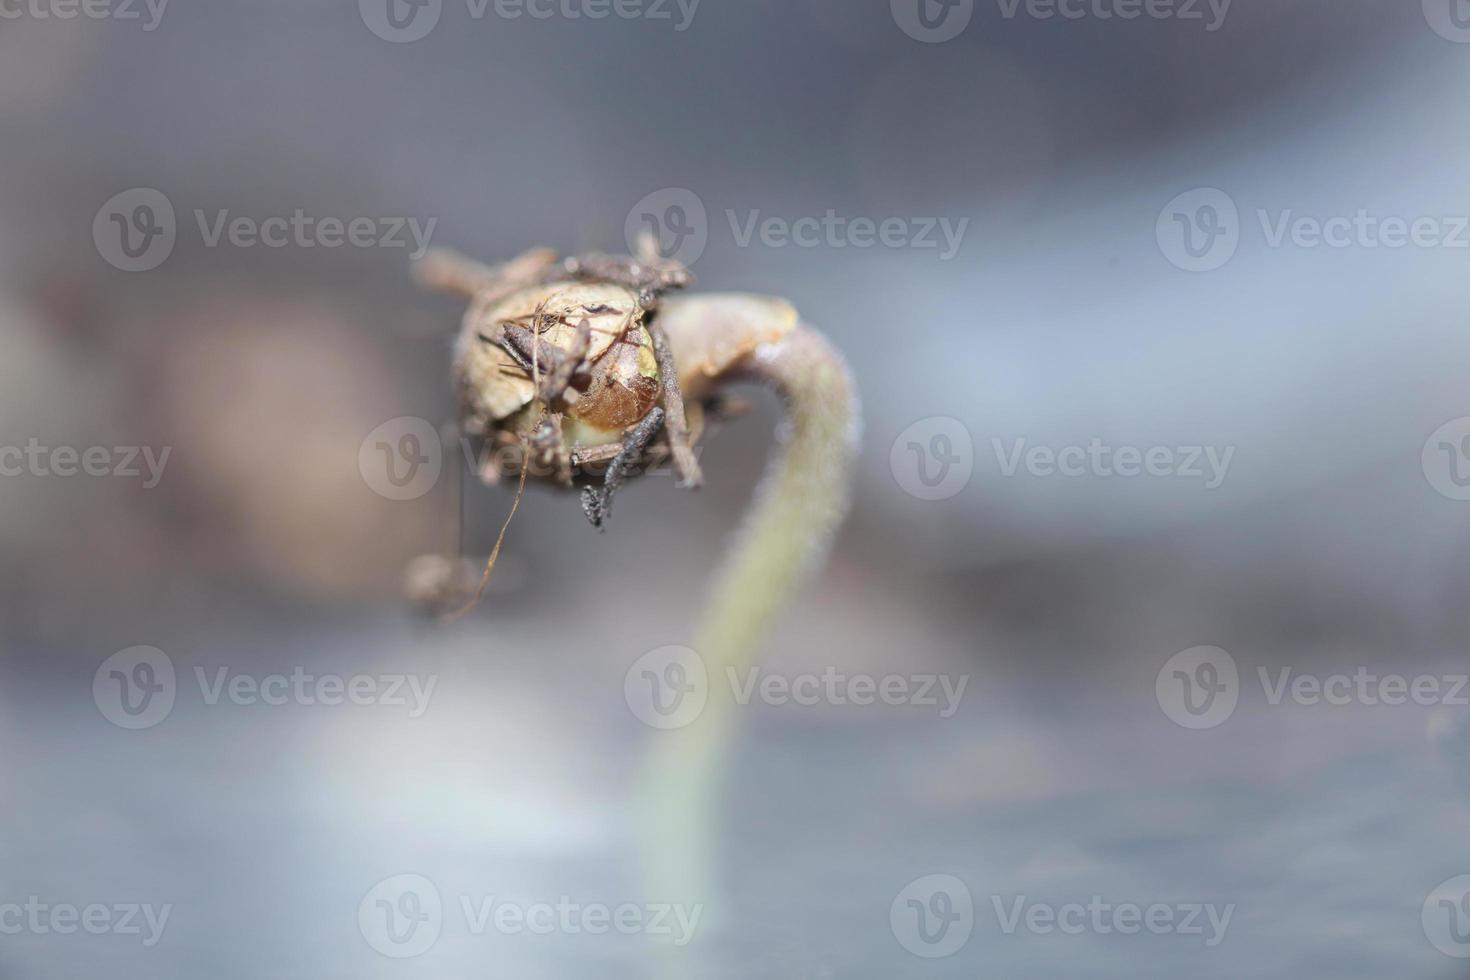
(585, 371)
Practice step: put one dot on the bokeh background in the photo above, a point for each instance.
(1333, 543)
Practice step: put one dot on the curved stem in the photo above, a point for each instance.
(799, 503)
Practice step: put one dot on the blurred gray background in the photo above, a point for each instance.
(1332, 544)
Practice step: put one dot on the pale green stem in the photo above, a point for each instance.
(783, 541)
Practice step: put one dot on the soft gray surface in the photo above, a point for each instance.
(1060, 777)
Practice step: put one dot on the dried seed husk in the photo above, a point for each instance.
(493, 384)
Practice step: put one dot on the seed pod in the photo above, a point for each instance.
(611, 375)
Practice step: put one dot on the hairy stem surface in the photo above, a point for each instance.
(800, 501)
